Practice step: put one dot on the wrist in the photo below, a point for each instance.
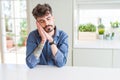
(41, 46)
(51, 40)
(51, 43)
(43, 41)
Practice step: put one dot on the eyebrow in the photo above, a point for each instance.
(45, 18)
(49, 17)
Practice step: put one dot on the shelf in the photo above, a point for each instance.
(106, 44)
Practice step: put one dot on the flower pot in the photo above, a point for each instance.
(101, 37)
(10, 43)
(86, 36)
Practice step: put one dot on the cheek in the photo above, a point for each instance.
(52, 22)
(43, 25)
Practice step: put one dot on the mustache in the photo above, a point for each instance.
(47, 26)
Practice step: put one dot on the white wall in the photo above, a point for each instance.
(62, 11)
(0, 45)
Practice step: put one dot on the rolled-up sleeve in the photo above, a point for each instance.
(31, 60)
(62, 53)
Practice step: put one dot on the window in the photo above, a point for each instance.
(96, 12)
(14, 30)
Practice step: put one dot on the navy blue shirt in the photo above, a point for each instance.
(46, 57)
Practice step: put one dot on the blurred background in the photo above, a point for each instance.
(93, 27)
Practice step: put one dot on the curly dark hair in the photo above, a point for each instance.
(41, 10)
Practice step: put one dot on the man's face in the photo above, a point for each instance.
(47, 22)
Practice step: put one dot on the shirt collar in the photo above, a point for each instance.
(56, 32)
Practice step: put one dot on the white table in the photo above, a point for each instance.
(22, 72)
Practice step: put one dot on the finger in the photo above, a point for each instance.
(39, 28)
(38, 25)
(44, 33)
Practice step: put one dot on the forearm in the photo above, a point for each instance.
(37, 52)
(60, 58)
(33, 58)
(54, 49)
(31, 61)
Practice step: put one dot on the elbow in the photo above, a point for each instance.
(61, 64)
(29, 65)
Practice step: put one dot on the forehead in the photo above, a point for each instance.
(44, 17)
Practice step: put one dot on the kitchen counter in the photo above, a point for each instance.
(99, 44)
(22, 72)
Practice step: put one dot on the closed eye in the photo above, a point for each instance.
(49, 18)
(41, 21)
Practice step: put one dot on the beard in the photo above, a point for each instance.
(49, 28)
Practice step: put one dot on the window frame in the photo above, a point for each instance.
(90, 4)
(1, 28)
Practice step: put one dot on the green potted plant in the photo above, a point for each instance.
(101, 30)
(115, 28)
(112, 35)
(115, 24)
(87, 31)
(87, 27)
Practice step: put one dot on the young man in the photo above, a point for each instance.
(46, 45)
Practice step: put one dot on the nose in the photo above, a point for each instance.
(46, 22)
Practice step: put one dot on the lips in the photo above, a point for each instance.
(48, 26)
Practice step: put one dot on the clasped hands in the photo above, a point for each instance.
(44, 35)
